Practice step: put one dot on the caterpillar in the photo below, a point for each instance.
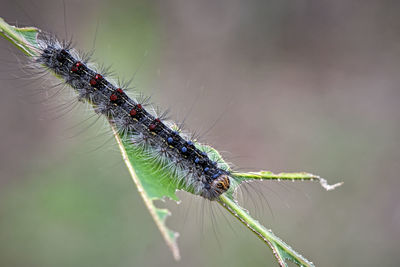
(133, 120)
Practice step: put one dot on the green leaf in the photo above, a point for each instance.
(156, 181)
(23, 38)
(150, 189)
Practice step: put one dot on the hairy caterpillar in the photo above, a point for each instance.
(132, 120)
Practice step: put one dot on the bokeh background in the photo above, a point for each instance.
(275, 85)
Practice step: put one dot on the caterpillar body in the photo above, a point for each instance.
(133, 120)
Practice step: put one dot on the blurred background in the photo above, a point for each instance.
(275, 85)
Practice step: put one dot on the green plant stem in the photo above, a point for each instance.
(275, 243)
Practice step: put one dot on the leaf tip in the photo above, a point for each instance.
(328, 187)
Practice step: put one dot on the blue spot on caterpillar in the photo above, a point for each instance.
(132, 119)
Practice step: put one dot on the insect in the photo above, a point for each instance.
(131, 119)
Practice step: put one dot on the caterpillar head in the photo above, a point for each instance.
(217, 187)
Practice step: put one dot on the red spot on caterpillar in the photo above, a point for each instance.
(132, 112)
(139, 106)
(158, 120)
(152, 127)
(76, 66)
(96, 79)
(119, 90)
(113, 97)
